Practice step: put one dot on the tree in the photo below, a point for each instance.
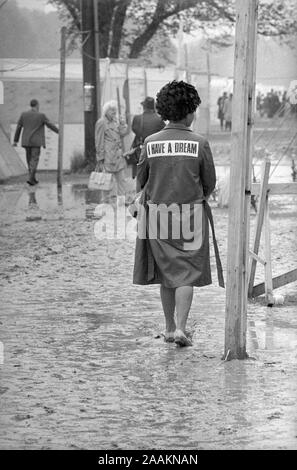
(27, 34)
(126, 27)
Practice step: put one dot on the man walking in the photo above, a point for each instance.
(32, 123)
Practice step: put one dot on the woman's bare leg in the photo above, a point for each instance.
(183, 301)
(168, 303)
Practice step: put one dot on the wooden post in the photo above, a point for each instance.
(119, 102)
(97, 59)
(188, 78)
(126, 96)
(89, 78)
(61, 106)
(268, 269)
(208, 86)
(259, 223)
(145, 82)
(240, 177)
(119, 113)
(265, 189)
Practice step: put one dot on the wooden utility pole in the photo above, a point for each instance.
(126, 96)
(240, 179)
(61, 106)
(97, 60)
(187, 63)
(208, 46)
(119, 116)
(89, 77)
(145, 82)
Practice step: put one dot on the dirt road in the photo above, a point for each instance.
(84, 363)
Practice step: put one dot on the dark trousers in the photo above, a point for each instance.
(228, 125)
(32, 156)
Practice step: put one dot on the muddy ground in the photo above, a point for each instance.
(84, 365)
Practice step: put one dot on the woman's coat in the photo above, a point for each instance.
(108, 143)
(172, 248)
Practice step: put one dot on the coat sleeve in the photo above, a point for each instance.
(18, 129)
(135, 125)
(143, 167)
(136, 128)
(207, 170)
(99, 139)
(50, 125)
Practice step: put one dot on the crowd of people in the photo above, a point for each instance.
(270, 104)
(273, 103)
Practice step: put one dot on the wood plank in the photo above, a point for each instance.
(261, 260)
(259, 223)
(278, 281)
(240, 175)
(61, 107)
(267, 249)
(276, 188)
(97, 59)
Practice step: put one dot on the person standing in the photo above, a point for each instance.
(228, 112)
(32, 124)
(177, 174)
(109, 130)
(220, 103)
(259, 104)
(144, 125)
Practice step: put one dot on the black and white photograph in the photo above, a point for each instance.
(148, 229)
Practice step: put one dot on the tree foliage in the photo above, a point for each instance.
(126, 27)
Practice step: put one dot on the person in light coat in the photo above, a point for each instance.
(109, 131)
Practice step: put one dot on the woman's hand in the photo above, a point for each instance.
(122, 120)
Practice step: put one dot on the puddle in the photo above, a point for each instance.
(19, 202)
(45, 202)
(272, 333)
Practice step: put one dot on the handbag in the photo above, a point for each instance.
(100, 180)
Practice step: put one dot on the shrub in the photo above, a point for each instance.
(78, 163)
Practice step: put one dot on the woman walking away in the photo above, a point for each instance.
(177, 173)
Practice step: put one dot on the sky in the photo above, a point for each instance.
(35, 5)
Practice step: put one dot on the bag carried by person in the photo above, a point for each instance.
(100, 180)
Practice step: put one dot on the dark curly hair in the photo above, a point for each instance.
(177, 99)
